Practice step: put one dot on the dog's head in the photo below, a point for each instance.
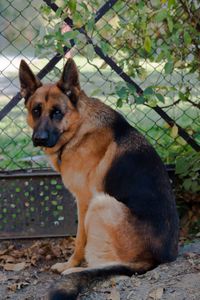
(52, 108)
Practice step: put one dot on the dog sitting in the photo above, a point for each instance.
(127, 218)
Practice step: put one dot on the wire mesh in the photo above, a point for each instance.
(21, 27)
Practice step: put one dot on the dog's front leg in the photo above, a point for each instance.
(80, 242)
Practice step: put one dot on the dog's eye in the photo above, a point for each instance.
(56, 114)
(36, 111)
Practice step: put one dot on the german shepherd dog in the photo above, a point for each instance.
(127, 218)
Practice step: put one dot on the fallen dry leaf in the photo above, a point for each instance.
(197, 267)
(2, 252)
(18, 286)
(12, 287)
(14, 267)
(6, 250)
(114, 295)
(130, 295)
(3, 277)
(156, 294)
(137, 283)
(56, 250)
(7, 258)
(37, 251)
(154, 276)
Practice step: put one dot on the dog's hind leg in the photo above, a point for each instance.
(114, 236)
(113, 248)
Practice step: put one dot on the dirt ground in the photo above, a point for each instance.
(25, 274)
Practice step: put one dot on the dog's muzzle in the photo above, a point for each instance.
(44, 138)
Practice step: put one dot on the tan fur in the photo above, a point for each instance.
(112, 237)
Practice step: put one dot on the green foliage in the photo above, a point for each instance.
(161, 32)
(158, 31)
(188, 169)
(127, 92)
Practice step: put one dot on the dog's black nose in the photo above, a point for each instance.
(40, 138)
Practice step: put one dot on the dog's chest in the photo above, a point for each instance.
(77, 172)
(83, 168)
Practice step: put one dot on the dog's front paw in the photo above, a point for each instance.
(61, 267)
(72, 270)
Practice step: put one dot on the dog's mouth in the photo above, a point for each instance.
(47, 144)
(45, 138)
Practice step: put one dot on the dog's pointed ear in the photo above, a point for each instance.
(28, 81)
(69, 82)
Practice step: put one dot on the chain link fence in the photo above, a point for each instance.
(22, 24)
(172, 127)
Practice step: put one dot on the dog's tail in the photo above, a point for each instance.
(72, 284)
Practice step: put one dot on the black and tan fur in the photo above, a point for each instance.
(127, 219)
